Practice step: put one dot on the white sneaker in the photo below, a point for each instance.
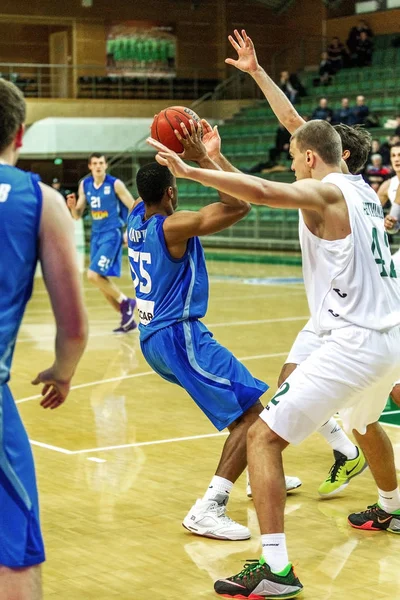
(209, 519)
(291, 484)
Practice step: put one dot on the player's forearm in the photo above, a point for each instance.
(280, 104)
(209, 163)
(76, 213)
(69, 348)
(224, 163)
(242, 187)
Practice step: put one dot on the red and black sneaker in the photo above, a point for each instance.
(376, 519)
(256, 581)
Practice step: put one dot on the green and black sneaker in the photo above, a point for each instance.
(257, 582)
(376, 519)
(341, 472)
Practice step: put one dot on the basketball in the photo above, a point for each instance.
(162, 128)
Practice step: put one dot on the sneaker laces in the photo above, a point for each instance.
(339, 463)
(251, 565)
(221, 514)
(373, 509)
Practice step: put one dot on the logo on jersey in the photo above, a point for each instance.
(98, 215)
(107, 190)
(145, 310)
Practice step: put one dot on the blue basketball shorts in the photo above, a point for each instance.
(21, 543)
(187, 354)
(106, 253)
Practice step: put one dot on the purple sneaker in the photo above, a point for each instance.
(127, 312)
(130, 327)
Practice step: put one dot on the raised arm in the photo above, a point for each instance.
(77, 207)
(60, 273)
(182, 225)
(124, 194)
(383, 192)
(248, 63)
(306, 194)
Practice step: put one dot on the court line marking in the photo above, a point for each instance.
(50, 447)
(142, 374)
(151, 443)
(154, 442)
(221, 324)
(297, 292)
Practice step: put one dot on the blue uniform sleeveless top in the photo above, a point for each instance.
(105, 206)
(168, 289)
(20, 212)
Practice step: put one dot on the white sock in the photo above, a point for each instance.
(274, 551)
(121, 298)
(218, 490)
(337, 439)
(389, 501)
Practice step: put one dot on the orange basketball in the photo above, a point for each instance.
(162, 128)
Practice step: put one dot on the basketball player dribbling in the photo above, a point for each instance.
(354, 298)
(34, 225)
(107, 198)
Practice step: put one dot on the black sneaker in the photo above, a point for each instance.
(376, 519)
(257, 582)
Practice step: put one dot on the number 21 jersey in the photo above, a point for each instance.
(168, 289)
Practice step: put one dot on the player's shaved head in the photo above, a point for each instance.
(152, 181)
(320, 137)
(12, 112)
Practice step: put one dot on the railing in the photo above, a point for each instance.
(88, 81)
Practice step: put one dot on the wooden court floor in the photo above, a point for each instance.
(121, 463)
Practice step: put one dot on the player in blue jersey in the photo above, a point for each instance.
(109, 202)
(34, 224)
(170, 277)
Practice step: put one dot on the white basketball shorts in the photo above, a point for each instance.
(351, 372)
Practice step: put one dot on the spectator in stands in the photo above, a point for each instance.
(323, 111)
(364, 50)
(378, 148)
(325, 71)
(376, 173)
(359, 112)
(355, 35)
(287, 88)
(282, 142)
(336, 52)
(343, 114)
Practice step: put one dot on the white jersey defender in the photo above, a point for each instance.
(353, 292)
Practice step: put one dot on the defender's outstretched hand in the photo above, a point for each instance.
(211, 138)
(247, 57)
(169, 158)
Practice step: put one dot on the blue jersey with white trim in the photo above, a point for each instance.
(105, 206)
(20, 211)
(168, 289)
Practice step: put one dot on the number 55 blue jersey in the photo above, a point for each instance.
(168, 290)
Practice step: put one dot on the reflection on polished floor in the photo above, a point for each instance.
(122, 462)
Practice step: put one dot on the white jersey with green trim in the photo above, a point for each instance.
(352, 281)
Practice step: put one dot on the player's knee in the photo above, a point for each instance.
(260, 431)
(92, 276)
(395, 394)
